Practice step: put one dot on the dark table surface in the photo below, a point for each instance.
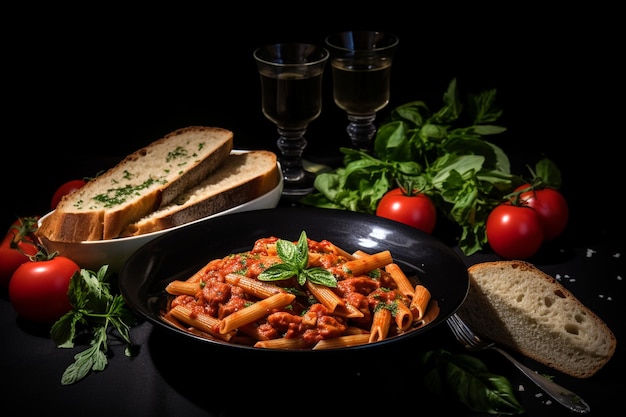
(96, 88)
(173, 376)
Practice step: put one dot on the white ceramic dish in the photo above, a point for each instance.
(114, 252)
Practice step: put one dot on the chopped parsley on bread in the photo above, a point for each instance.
(241, 178)
(146, 180)
(520, 307)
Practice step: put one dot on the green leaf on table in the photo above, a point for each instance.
(94, 310)
(468, 380)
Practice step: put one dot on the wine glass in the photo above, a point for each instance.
(361, 67)
(291, 98)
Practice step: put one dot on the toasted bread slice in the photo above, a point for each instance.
(241, 178)
(143, 182)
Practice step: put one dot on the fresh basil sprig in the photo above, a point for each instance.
(295, 259)
(94, 309)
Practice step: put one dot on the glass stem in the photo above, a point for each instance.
(291, 144)
(361, 130)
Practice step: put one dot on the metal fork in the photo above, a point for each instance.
(472, 342)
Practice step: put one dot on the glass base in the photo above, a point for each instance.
(301, 187)
(361, 130)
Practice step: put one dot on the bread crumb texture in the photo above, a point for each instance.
(141, 183)
(519, 306)
(240, 178)
(147, 169)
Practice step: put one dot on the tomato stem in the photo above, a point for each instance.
(26, 227)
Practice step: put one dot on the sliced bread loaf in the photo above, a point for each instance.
(144, 181)
(519, 306)
(241, 178)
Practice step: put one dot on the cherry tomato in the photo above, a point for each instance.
(64, 189)
(416, 210)
(10, 257)
(38, 289)
(514, 232)
(551, 207)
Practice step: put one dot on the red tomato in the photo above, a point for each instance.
(416, 210)
(514, 232)
(551, 207)
(11, 258)
(64, 189)
(38, 289)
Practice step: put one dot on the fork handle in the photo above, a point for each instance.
(562, 395)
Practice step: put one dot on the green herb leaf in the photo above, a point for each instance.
(479, 389)
(320, 276)
(295, 259)
(467, 379)
(94, 308)
(278, 272)
(549, 173)
(83, 364)
(444, 152)
(302, 253)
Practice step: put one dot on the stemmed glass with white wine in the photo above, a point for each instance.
(361, 67)
(291, 97)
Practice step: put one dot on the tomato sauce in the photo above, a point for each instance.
(305, 318)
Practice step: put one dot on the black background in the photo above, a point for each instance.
(83, 88)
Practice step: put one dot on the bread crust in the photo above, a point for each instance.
(146, 179)
(241, 178)
(520, 307)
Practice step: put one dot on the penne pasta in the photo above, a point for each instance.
(365, 264)
(202, 322)
(325, 295)
(225, 301)
(182, 288)
(380, 325)
(268, 260)
(282, 343)
(342, 341)
(420, 301)
(260, 289)
(403, 316)
(348, 311)
(402, 281)
(271, 249)
(254, 311)
(338, 251)
(314, 259)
